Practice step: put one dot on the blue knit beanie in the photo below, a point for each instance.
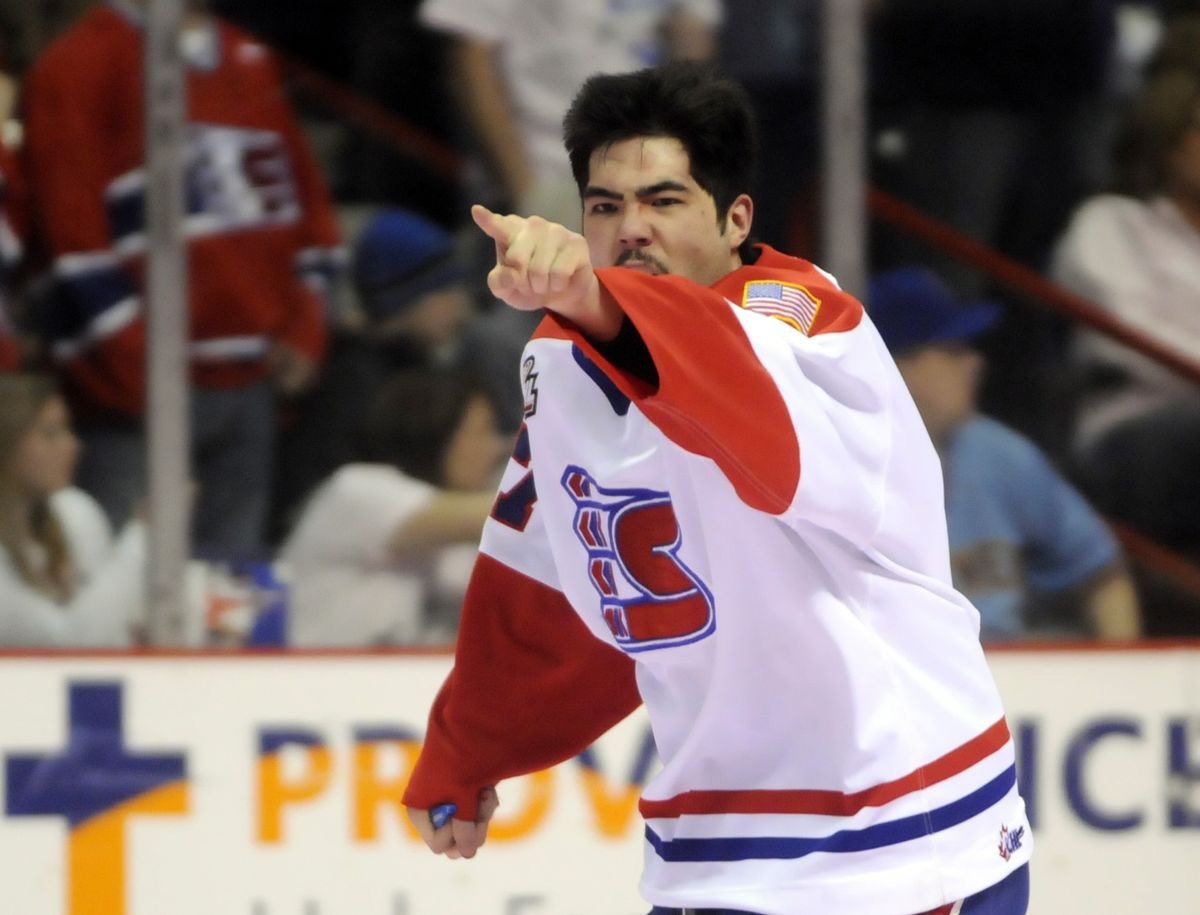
(399, 257)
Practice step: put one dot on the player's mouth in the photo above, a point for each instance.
(639, 260)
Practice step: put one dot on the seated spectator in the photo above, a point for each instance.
(1023, 543)
(363, 557)
(64, 582)
(1137, 254)
(413, 305)
(411, 284)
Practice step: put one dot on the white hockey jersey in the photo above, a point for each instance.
(755, 523)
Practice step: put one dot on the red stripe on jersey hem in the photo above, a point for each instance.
(830, 803)
(944, 910)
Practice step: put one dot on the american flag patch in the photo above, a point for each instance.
(789, 302)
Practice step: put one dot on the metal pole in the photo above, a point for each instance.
(843, 153)
(166, 308)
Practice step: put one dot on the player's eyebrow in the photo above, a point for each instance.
(593, 191)
(648, 190)
(652, 189)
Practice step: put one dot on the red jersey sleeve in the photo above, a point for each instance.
(531, 687)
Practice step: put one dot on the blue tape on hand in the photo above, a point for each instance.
(440, 815)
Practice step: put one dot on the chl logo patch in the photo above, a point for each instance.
(1010, 840)
(649, 598)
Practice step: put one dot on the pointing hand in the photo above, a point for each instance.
(539, 264)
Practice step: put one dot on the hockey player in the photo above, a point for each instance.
(722, 503)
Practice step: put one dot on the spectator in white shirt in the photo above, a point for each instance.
(64, 582)
(1137, 254)
(368, 558)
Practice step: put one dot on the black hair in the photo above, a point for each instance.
(410, 421)
(689, 101)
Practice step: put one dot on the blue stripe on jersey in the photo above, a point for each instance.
(877, 836)
(80, 298)
(618, 401)
(1008, 897)
(126, 214)
(323, 265)
(127, 208)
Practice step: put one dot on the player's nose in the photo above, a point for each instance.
(634, 231)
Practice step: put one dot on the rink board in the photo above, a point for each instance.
(268, 785)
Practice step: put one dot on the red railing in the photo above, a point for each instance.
(375, 119)
(1023, 281)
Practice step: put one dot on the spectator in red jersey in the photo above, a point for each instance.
(262, 244)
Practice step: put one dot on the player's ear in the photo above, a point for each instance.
(738, 220)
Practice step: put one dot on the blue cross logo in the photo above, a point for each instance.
(95, 783)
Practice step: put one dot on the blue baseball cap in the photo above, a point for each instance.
(913, 307)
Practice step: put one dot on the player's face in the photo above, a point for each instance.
(474, 450)
(642, 209)
(44, 459)
(943, 380)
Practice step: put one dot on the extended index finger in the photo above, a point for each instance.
(501, 229)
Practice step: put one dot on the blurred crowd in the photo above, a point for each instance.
(354, 388)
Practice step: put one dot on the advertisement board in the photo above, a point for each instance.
(269, 785)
